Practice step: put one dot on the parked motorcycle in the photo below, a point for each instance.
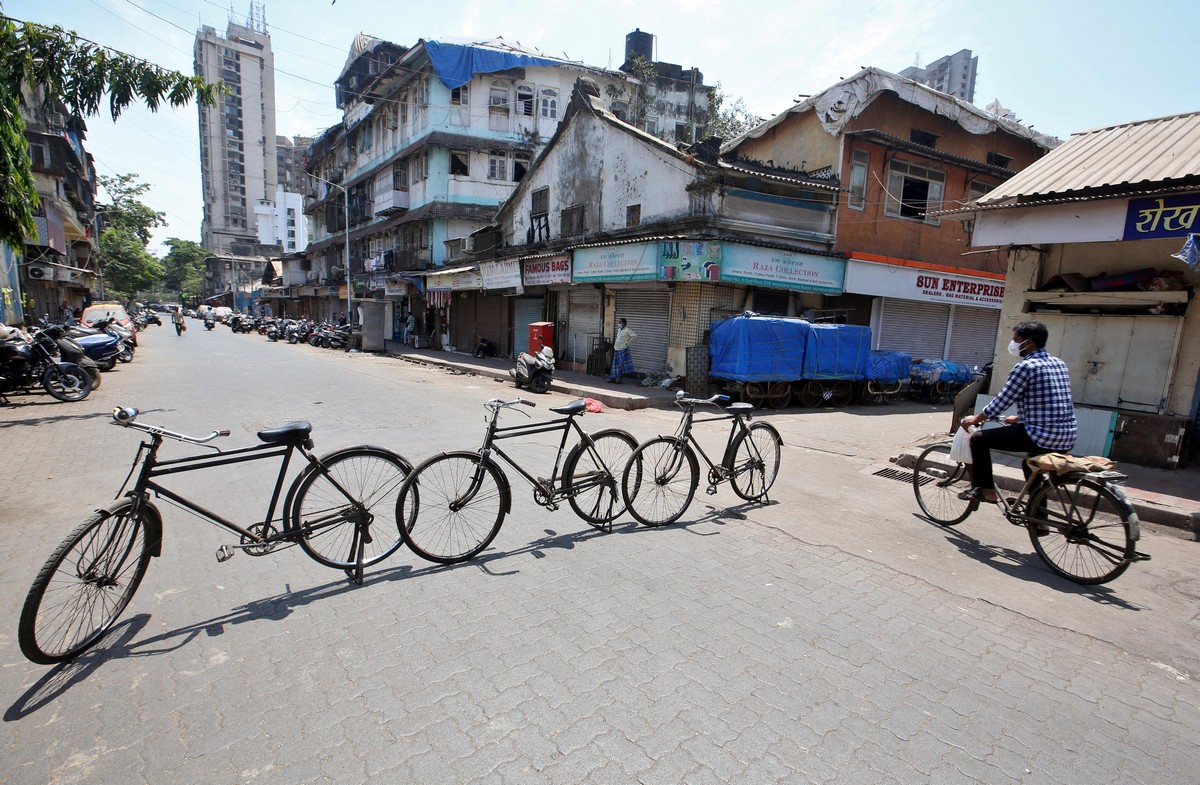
(72, 351)
(535, 371)
(24, 363)
(127, 345)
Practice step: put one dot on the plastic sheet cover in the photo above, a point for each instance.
(758, 348)
(456, 64)
(889, 367)
(836, 351)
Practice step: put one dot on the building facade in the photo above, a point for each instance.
(953, 74)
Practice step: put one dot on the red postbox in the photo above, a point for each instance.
(540, 334)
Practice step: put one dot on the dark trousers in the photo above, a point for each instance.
(1010, 438)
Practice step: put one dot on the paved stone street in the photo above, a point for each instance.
(831, 636)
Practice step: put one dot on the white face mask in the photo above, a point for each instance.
(1014, 348)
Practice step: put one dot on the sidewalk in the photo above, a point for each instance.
(1167, 498)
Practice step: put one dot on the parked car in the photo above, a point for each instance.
(104, 310)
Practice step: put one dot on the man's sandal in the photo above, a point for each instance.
(976, 495)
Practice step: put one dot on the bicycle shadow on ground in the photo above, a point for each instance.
(1027, 566)
(36, 421)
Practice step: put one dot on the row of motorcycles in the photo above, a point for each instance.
(322, 334)
(64, 360)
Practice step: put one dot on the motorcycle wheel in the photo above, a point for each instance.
(94, 372)
(126, 355)
(540, 383)
(67, 382)
(107, 365)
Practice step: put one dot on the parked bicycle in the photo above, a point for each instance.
(661, 478)
(464, 496)
(341, 509)
(1079, 522)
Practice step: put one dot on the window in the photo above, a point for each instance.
(400, 176)
(460, 96)
(540, 201)
(572, 221)
(913, 191)
(460, 163)
(621, 110)
(497, 165)
(978, 189)
(683, 132)
(403, 110)
(633, 215)
(40, 154)
(859, 166)
(652, 125)
(995, 159)
(520, 166)
(923, 138)
(539, 225)
(550, 104)
(418, 168)
(525, 100)
(498, 98)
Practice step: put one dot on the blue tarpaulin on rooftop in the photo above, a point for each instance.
(456, 64)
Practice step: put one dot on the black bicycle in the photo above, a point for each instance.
(465, 495)
(342, 510)
(661, 477)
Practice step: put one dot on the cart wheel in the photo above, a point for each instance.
(841, 394)
(870, 394)
(812, 394)
(755, 393)
(779, 395)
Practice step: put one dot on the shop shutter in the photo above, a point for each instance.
(770, 302)
(649, 314)
(973, 334)
(491, 323)
(526, 311)
(583, 322)
(915, 328)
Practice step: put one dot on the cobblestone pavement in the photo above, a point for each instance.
(748, 646)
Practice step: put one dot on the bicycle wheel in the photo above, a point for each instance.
(330, 518)
(755, 461)
(660, 480)
(460, 508)
(1090, 539)
(592, 476)
(85, 585)
(937, 481)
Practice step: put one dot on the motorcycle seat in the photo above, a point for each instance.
(291, 433)
(571, 409)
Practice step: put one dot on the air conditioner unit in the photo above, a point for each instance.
(56, 120)
(354, 83)
(39, 273)
(467, 244)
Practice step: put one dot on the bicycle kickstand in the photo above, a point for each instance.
(355, 573)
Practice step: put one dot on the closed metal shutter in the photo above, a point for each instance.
(973, 334)
(526, 311)
(770, 302)
(649, 314)
(583, 322)
(491, 323)
(915, 328)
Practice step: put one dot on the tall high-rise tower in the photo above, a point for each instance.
(953, 74)
(238, 161)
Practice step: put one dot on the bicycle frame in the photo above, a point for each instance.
(549, 486)
(718, 473)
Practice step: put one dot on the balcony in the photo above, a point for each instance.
(389, 203)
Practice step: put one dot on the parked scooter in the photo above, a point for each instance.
(534, 370)
(102, 347)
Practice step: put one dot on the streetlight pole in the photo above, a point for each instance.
(346, 222)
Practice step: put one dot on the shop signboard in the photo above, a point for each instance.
(794, 270)
(616, 263)
(689, 260)
(394, 287)
(1164, 216)
(503, 274)
(547, 271)
(923, 283)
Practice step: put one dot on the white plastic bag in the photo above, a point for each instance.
(960, 448)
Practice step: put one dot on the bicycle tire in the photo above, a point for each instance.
(660, 480)
(85, 585)
(326, 521)
(601, 501)
(442, 528)
(754, 461)
(937, 481)
(1091, 537)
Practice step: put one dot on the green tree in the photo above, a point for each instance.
(125, 263)
(183, 266)
(728, 119)
(77, 74)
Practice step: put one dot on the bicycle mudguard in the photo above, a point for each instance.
(505, 486)
(289, 497)
(154, 527)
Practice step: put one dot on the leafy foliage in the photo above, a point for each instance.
(128, 267)
(184, 267)
(75, 73)
(728, 119)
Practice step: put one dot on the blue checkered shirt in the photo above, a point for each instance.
(1040, 386)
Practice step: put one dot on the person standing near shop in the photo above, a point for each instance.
(410, 327)
(622, 359)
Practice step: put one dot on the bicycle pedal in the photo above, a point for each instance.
(224, 553)
(711, 490)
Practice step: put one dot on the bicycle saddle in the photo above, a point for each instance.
(739, 407)
(571, 409)
(293, 433)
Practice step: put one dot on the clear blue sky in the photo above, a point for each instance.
(1061, 65)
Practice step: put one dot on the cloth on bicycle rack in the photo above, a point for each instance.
(1061, 463)
(836, 351)
(888, 367)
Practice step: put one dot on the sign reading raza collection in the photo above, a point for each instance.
(909, 283)
(505, 274)
(544, 272)
(1164, 216)
(633, 262)
(793, 270)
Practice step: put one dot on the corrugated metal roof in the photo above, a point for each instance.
(1134, 154)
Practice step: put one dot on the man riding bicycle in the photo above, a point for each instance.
(1040, 386)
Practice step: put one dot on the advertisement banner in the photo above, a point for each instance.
(794, 270)
(504, 274)
(545, 272)
(616, 264)
(689, 260)
(914, 283)
(1165, 216)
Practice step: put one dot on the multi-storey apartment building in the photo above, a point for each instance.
(434, 137)
(238, 160)
(953, 74)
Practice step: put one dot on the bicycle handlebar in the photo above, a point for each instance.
(681, 399)
(126, 417)
(496, 403)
